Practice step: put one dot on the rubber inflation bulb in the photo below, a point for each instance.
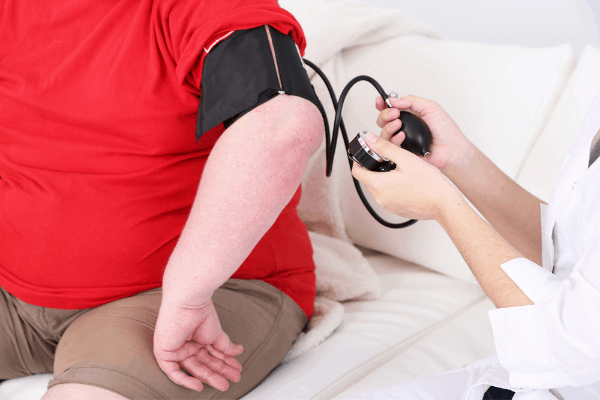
(418, 135)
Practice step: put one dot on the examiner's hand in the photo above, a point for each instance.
(448, 144)
(414, 189)
(192, 339)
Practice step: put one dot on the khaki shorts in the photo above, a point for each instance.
(111, 346)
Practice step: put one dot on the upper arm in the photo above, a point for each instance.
(251, 68)
(284, 121)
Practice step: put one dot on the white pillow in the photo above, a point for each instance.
(541, 169)
(501, 97)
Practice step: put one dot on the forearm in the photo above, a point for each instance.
(510, 209)
(416, 189)
(252, 173)
(484, 251)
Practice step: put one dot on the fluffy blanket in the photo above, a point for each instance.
(332, 26)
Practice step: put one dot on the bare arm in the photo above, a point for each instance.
(250, 176)
(484, 252)
(510, 209)
(252, 173)
(416, 189)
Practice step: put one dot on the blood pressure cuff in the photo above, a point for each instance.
(240, 74)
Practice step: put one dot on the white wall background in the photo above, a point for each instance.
(515, 22)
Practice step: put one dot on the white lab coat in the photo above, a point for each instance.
(554, 343)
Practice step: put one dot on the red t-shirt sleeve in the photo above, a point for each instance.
(190, 27)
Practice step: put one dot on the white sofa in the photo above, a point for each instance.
(522, 107)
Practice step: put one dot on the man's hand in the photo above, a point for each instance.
(192, 339)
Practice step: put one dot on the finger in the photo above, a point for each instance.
(219, 366)
(224, 345)
(229, 360)
(398, 138)
(205, 374)
(172, 370)
(362, 174)
(387, 115)
(390, 129)
(385, 148)
(380, 103)
(402, 103)
(418, 105)
(187, 350)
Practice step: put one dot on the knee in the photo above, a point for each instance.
(82, 392)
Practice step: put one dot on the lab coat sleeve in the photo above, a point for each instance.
(555, 342)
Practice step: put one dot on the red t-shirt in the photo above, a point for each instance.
(99, 163)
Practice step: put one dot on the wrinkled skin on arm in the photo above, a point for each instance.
(251, 174)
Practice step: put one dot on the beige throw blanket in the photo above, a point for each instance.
(342, 272)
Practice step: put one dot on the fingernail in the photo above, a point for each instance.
(395, 112)
(372, 138)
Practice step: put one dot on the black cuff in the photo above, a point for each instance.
(239, 75)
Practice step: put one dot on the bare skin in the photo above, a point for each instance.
(418, 189)
(510, 209)
(80, 392)
(240, 196)
(239, 203)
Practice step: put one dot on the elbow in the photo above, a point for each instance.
(300, 125)
(315, 126)
(288, 128)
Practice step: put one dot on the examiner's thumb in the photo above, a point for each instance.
(381, 146)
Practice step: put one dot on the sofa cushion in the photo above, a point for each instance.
(466, 338)
(500, 96)
(416, 302)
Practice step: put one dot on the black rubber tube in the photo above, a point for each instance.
(330, 145)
